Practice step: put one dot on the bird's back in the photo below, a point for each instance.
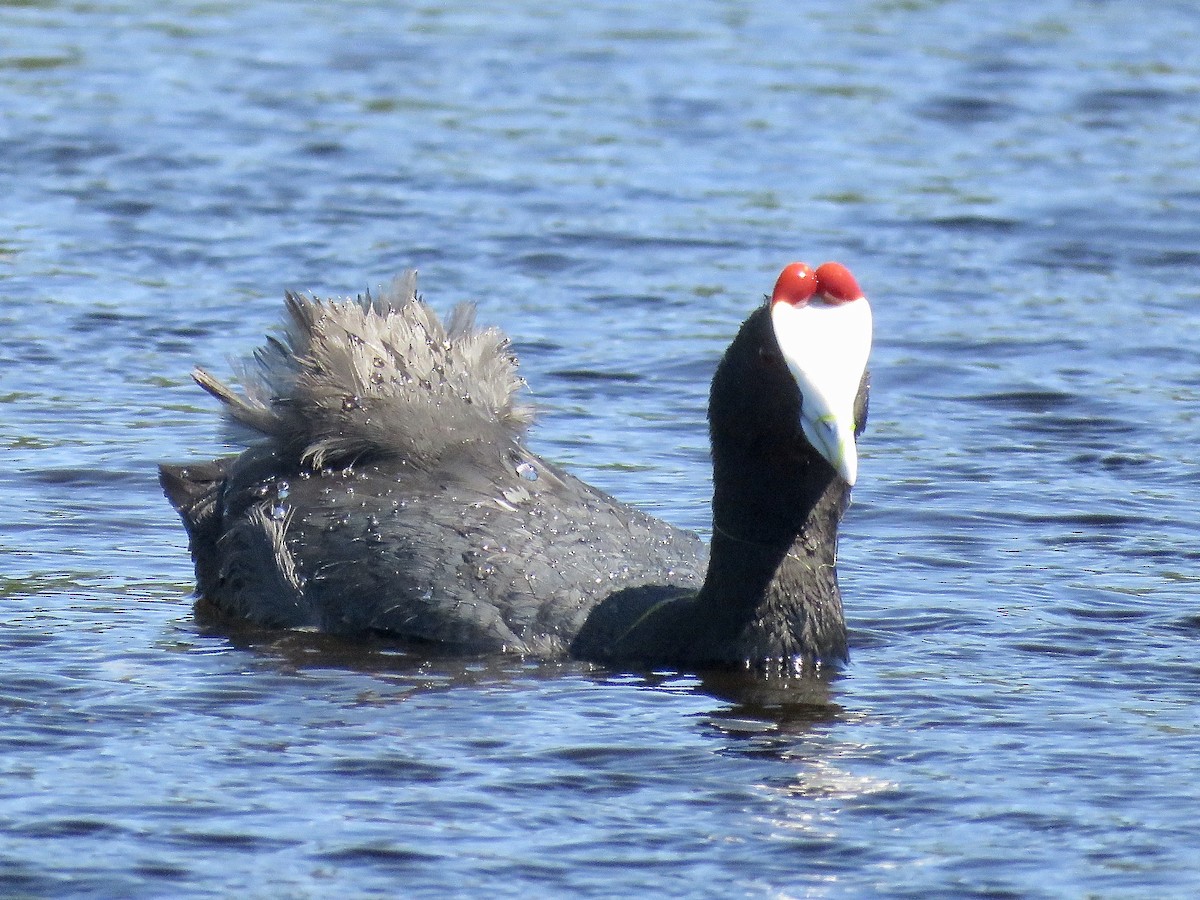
(390, 491)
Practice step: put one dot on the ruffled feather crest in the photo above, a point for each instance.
(377, 376)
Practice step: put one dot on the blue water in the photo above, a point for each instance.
(1017, 189)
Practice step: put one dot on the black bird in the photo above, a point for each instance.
(388, 490)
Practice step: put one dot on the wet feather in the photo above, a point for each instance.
(375, 376)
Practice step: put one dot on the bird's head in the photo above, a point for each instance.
(822, 325)
(790, 395)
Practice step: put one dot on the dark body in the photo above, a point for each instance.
(472, 553)
(346, 517)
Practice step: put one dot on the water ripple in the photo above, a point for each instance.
(616, 187)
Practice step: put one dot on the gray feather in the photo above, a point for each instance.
(376, 376)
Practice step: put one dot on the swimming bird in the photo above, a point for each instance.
(387, 488)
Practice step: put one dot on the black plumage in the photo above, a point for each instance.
(388, 490)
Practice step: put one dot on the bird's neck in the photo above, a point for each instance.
(775, 584)
(740, 569)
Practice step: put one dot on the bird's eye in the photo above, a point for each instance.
(770, 356)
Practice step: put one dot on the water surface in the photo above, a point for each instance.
(616, 185)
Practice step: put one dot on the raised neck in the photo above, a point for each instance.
(777, 592)
(740, 568)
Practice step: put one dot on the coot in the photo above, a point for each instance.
(387, 488)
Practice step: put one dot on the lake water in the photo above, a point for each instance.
(1017, 189)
